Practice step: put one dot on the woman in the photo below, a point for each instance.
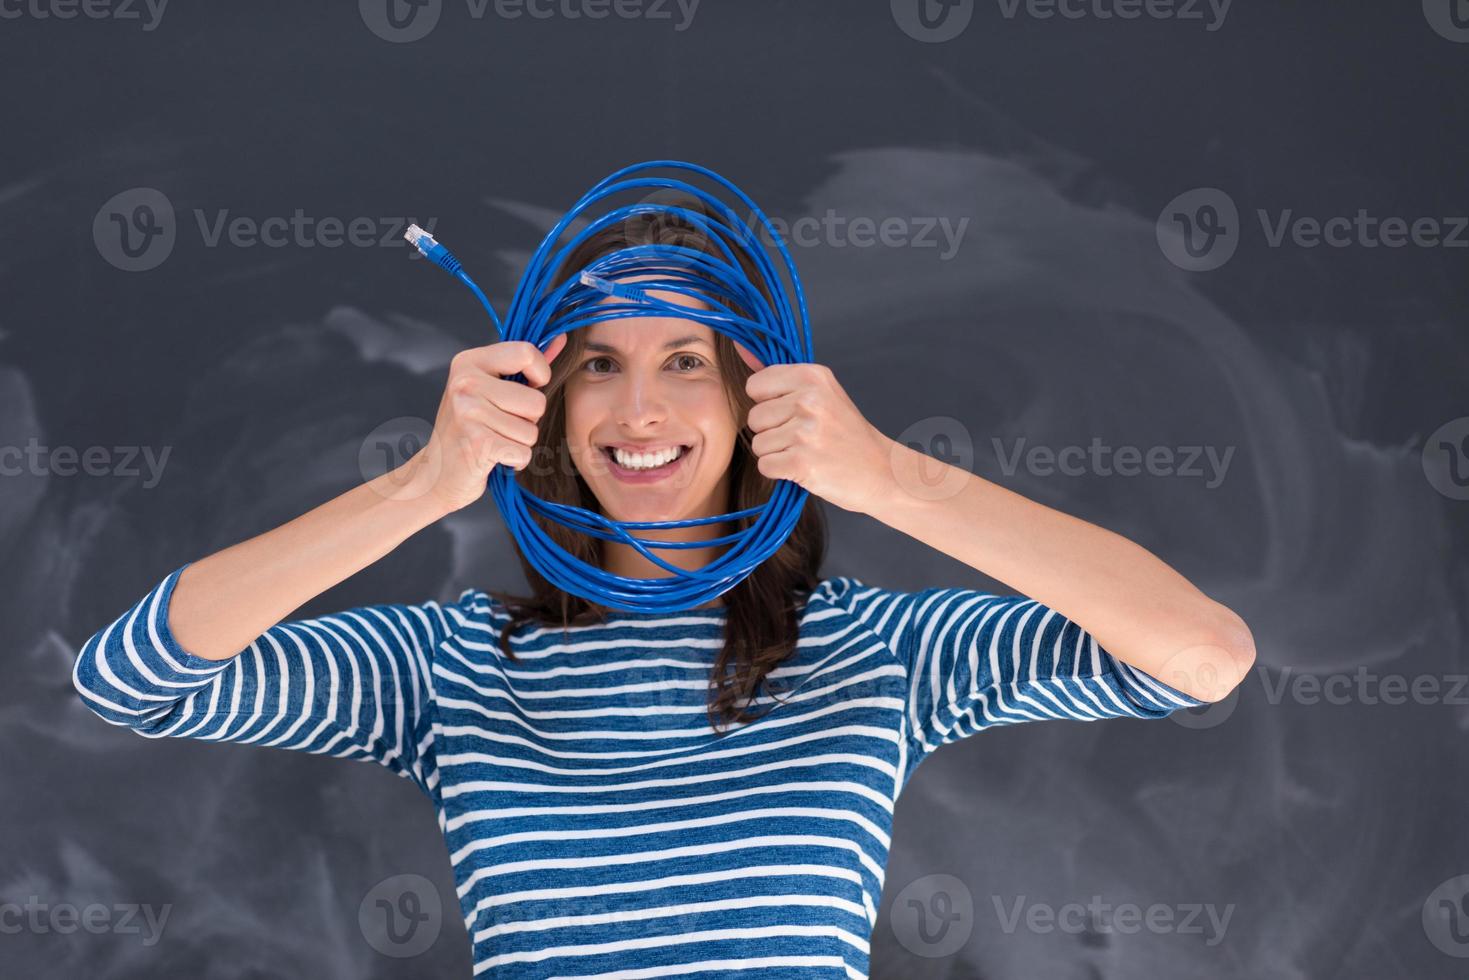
(709, 791)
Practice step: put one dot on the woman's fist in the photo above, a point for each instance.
(483, 419)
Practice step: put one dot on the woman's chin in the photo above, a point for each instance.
(649, 507)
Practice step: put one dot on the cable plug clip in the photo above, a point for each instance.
(429, 248)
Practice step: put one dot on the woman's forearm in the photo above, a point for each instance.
(223, 602)
(1136, 607)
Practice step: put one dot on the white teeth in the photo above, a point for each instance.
(646, 461)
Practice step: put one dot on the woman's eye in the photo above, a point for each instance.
(683, 362)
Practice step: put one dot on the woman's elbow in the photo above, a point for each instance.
(1223, 663)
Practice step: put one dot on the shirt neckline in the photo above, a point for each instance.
(719, 612)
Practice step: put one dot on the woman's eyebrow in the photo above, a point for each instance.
(678, 342)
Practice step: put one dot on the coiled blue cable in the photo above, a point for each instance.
(774, 331)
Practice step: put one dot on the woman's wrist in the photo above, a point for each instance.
(913, 485)
(413, 485)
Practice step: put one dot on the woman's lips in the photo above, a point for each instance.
(655, 475)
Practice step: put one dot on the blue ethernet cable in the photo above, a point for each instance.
(774, 330)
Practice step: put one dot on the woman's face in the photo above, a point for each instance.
(650, 386)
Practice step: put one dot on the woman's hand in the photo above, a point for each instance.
(809, 432)
(483, 419)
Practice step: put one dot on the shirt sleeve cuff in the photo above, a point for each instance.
(1154, 698)
(166, 639)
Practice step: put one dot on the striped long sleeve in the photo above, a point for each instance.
(975, 660)
(354, 684)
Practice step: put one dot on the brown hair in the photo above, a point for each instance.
(763, 609)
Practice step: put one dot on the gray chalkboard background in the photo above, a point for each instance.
(1070, 156)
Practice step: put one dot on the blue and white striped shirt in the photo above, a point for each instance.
(597, 824)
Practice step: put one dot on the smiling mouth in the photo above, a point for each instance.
(645, 462)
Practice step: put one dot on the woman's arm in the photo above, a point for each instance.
(223, 602)
(808, 430)
(1136, 606)
(973, 660)
(204, 654)
(355, 684)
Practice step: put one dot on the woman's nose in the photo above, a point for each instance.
(641, 402)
